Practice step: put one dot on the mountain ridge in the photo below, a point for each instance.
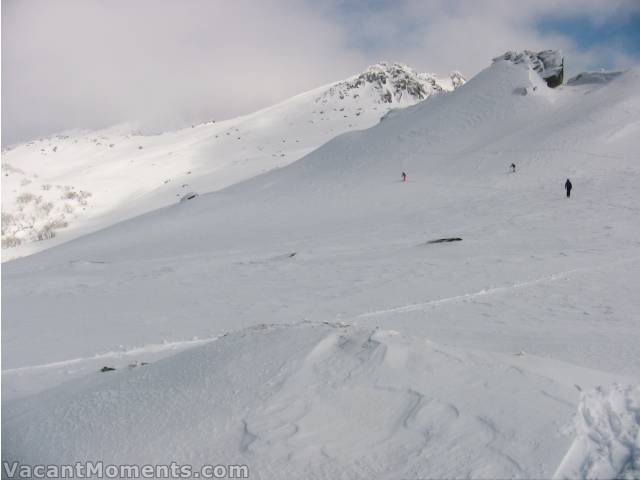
(66, 185)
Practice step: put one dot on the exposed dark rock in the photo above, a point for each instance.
(549, 64)
(445, 240)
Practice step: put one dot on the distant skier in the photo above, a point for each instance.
(404, 177)
(568, 187)
(513, 167)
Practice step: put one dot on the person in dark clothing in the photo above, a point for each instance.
(404, 177)
(513, 167)
(568, 187)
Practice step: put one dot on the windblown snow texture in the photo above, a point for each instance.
(607, 443)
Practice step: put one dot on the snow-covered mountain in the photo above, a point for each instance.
(396, 84)
(309, 322)
(71, 184)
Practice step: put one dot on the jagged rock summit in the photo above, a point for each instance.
(549, 64)
(392, 83)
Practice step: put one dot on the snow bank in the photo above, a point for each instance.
(607, 445)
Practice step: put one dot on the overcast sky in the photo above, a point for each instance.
(164, 64)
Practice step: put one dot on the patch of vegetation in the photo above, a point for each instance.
(48, 230)
(81, 196)
(25, 198)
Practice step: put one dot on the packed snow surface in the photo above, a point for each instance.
(302, 323)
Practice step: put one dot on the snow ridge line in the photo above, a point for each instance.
(152, 348)
(489, 291)
(161, 347)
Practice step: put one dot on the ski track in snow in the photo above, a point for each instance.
(152, 348)
(492, 291)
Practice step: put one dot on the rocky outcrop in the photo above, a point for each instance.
(457, 80)
(549, 64)
(393, 83)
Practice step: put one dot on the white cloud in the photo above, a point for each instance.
(93, 63)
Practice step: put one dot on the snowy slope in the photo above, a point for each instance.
(313, 401)
(322, 334)
(58, 188)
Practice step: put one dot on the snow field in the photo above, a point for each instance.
(370, 352)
